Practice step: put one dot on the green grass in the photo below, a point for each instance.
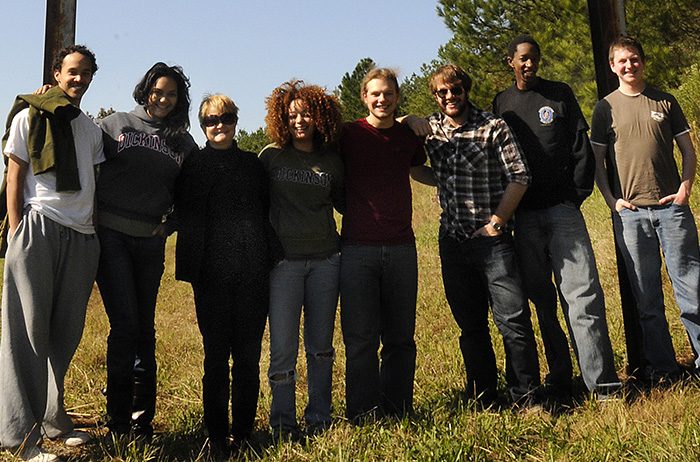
(658, 425)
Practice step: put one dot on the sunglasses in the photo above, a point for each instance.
(456, 91)
(213, 121)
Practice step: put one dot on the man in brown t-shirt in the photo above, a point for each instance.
(635, 126)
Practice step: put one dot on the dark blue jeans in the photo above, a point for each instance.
(378, 289)
(478, 272)
(129, 277)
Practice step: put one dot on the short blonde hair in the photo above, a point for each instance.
(221, 103)
(387, 75)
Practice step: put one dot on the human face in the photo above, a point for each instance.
(380, 97)
(162, 98)
(221, 135)
(300, 123)
(452, 105)
(629, 68)
(75, 76)
(525, 63)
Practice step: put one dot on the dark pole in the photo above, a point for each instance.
(607, 23)
(60, 32)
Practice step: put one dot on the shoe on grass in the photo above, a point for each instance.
(74, 438)
(37, 454)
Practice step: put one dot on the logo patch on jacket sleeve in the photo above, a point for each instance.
(546, 115)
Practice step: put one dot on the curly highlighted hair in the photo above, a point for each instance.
(324, 110)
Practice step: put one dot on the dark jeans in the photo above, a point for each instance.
(378, 288)
(478, 272)
(231, 316)
(129, 277)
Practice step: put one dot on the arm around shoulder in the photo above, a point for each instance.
(419, 125)
(424, 174)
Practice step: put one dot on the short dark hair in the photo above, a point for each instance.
(628, 43)
(451, 73)
(513, 45)
(82, 49)
(177, 123)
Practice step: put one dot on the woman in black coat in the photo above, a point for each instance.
(226, 248)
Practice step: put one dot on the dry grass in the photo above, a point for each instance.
(658, 425)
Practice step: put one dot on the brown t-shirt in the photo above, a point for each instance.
(639, 132)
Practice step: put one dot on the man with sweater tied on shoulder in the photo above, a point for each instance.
(52, 149)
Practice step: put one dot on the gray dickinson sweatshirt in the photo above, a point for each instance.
(135, 184)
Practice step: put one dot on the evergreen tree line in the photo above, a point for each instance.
(482, 29)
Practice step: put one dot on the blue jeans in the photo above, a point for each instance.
(640, 234)
(478, 272)
(313, 284)
(129, 277)
(378, 289)
(555, 241)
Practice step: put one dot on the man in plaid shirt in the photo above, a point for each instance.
(481, 178)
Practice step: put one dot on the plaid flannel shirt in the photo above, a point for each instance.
(474, 163)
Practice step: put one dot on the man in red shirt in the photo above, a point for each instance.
(379, 269)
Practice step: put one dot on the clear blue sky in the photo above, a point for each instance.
(240, 48)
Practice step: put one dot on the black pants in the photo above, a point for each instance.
(231, 316)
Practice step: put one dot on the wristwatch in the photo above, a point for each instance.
(497, 226)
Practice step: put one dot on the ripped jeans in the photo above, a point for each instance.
(313, 284)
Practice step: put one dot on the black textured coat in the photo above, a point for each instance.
(222, 204)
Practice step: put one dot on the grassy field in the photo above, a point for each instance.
(657, 425)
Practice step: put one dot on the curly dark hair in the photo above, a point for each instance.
(177, 123)
(323, 107)
(82, 49)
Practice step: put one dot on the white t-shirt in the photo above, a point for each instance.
(72, 209)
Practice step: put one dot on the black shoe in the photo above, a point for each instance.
(119, 429)
(142, 430)
(218, 449)
(317, 429)
(285, 435)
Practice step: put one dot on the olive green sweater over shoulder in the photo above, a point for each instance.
(50, 138)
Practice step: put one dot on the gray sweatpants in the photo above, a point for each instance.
(49, 274)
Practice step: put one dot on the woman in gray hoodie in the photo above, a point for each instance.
(144, 149)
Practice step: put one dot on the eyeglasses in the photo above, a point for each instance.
(456, 91)
(226, 119)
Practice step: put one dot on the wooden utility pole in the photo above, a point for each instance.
(607, 21)
(60, 32)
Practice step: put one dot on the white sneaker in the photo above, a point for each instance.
(37, 454)
(74, 438)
